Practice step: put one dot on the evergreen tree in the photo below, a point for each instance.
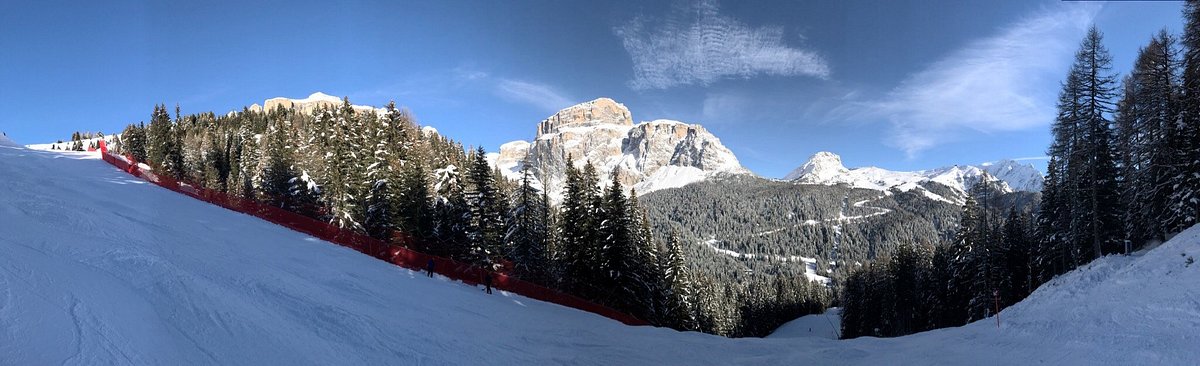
(579, 231)
(275, 180)
(621, 266)
(1087, 190)
(452, 216)
(1018, 264)
(487, 212)
(529, 232)
(1150, 141)
(414, 212)
(247, 167)
(908, 267)
(679, 311)
(1185, 201)
(344, 170)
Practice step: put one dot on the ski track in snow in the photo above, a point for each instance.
(841, 219)
(99, 268)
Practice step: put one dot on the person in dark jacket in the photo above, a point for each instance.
(487, 282)
(429, 268)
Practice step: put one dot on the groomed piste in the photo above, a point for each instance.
(99, 267)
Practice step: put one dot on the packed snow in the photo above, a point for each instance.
(827, 325)
(99, 267)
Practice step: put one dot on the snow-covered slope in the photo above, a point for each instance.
(101, 268)
(67, 145)
(827, 325)
(826, 168)
(647, 156)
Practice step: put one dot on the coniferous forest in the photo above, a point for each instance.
(1124, 169)
(381, 175)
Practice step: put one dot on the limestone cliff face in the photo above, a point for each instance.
(314, 102)
(602, 132)
(597, 112)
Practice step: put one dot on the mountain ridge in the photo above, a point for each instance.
(826, 168)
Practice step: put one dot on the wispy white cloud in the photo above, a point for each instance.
(449, 86)
(539, 95)
(698, 45)
(995, 84)
(545, 97)
(1032, 158)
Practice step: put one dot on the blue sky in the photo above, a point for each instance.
(901, 85)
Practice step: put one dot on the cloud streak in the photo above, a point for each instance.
(539, 95)
(995, 84)
(698, 45)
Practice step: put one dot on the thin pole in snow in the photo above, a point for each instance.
(996, 295)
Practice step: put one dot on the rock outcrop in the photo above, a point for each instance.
(314, 102)
(647, 156)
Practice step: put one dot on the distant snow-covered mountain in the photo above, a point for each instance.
(309, 104)
(647, 156)
(826, 168)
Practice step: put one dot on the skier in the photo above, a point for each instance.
(429, 268)
(487, 282)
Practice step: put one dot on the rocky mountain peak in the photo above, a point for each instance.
(820, 167)
(313, 102)
(601, 111)
(648, 156)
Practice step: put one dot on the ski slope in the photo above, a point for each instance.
(97, 268)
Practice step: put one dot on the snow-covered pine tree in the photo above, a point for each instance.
(649, 263)
(1019, 258)
(908, 266)
(158, 133)
(1088, 189)
(247, 162)
(620, 268)
(1099, 214)
(528, 232)
(679, 308)
(578, 231)
(166, 141)
(135, 141)
(344, 170)
(276, 176)
(962, 264)
(1150, 141)
(1185, 208)
(452, 216)
(381, 175)
(414, 212)
(487, 211)
(215, 160)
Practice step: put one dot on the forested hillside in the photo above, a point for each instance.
(383, 175)
(1123, 174)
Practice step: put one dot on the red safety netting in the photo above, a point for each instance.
(395, 254)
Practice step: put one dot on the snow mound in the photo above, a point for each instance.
(5, 141)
